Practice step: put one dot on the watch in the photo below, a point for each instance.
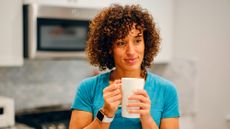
(103, 118)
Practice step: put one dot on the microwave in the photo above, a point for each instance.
(55, 31)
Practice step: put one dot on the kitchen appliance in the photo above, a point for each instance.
(7, 112)
(47, 117)
(54, 31)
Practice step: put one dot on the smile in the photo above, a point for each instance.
(131, 60)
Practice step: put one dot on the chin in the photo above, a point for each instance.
(131, 68)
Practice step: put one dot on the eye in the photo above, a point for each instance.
(138, 40)
(120, 43)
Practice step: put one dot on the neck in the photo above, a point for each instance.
(118, 74)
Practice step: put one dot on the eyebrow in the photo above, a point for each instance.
(139, 35)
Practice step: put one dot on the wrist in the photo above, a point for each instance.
(146, 117)
(103, 118)
(147, 122)
(106, 112)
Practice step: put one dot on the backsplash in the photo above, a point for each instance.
(52, 82)
(43, 82)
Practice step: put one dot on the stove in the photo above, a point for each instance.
(49, 117)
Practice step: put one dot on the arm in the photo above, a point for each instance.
(84, 120)
(144, 103)
(169, 123)
(166, 123)
(147, 121)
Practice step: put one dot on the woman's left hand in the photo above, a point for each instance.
(143, 101)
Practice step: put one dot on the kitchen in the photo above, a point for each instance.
(187, 61)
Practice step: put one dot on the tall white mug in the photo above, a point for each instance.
(129, 85)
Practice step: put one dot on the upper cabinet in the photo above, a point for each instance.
(11, 33)
(162, 12)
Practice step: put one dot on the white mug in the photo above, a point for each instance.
(129, 85)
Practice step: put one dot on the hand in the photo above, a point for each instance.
(112, 98)
(143, 102)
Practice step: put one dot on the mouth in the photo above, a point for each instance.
(131, 60)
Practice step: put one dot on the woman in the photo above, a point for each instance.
(125, 40)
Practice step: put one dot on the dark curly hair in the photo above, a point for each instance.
(114, 23)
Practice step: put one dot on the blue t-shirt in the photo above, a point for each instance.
(163, 95)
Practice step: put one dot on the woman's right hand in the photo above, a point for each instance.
(112, 98)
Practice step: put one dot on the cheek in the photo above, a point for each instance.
(141, 49)
(117, 54)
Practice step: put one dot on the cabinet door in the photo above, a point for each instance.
(11, 33)
(163, 14)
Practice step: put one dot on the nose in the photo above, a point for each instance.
(130, 49)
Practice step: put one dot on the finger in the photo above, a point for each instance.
(115, 98)
(112, 93)
(141, 92)
(141, 105)
(140, 98)
(138, 111)
(118, 81)
(111, 87)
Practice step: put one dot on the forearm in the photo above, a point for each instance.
(148, 123)
(96, 124)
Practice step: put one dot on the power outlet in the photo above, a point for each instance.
(1, 110)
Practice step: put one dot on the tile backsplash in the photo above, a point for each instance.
(51, 82)
(43, 82)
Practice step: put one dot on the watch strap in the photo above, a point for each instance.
(103, 118)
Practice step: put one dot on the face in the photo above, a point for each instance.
(129, 52)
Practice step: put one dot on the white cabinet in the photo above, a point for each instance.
(71, 3)
(11, 51)
(162, 11)
(163, 14)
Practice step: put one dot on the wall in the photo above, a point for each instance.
(43, 82)
(202, 34)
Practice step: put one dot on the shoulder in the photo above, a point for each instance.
(161, 83)
(91, 82)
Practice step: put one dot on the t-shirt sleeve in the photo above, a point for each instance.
(83, 97)
(171, 106)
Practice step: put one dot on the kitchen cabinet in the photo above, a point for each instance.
(162, 11)
(72, 3)
(11, 51)
(163, 14)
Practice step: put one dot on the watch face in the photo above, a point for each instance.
(100, 116)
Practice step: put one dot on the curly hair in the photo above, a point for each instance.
(114, 23)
